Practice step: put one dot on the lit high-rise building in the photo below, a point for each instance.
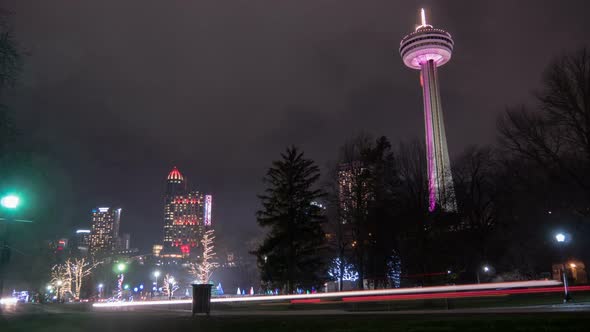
(353, 189)
(105, 230)
(82, 240)
(185, 214)
(426, 49)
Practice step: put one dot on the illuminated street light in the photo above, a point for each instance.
(572, 265)
(486, 269)
(100, 290)
(10, 201)
(560, 237)
(156, 274)
(121, 267)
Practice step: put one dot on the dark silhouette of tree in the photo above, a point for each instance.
(10, 56)
(10, 65)
(292, 252)
(354, 193)
(363, 193)
(556, 136)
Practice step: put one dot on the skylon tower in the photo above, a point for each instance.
(426, 49)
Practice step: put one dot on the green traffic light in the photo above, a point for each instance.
(10, 202)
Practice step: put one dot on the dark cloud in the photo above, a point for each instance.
(120, 91)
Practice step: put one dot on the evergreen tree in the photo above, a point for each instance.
(292, 252)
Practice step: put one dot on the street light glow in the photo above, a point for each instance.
(560, 237)
(10, 201)
(156, 274)
(486, 269)
(121, 267)
(59, 282)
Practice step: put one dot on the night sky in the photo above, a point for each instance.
(117, 92)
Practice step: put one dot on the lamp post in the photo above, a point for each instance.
(156, 275)
(485, 269)
(100, 286)
(9, 203)
(560, 238)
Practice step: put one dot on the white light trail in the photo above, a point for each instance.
(415, 290)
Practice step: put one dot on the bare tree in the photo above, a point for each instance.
(69, 276)
(79, 269)
(475, 185)
(61, 279)
(203, 271)
(354, 194)
(556, 136)
(170, 286)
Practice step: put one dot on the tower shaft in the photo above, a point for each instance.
(440, 181)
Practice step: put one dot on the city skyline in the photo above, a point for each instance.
(308, 91)
(317, 134)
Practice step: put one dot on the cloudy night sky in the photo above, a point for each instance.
(115, 93)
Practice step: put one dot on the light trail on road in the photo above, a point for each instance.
(517, 287)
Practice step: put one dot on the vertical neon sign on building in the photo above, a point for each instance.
(208, 203)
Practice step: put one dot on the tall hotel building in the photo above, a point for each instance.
(186, 213)
(105, 230)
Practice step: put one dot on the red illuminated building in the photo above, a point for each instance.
(183, 215)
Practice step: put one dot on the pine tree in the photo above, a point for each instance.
(292, 252)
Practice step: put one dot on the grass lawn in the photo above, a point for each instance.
(145, 321)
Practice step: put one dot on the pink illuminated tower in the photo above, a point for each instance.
(426, 49)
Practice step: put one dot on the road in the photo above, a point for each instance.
(75, 318)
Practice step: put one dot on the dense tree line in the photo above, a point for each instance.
(512, 197)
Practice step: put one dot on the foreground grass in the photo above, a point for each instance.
(144, 321)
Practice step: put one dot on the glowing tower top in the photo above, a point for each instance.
(426, 43)
(426, 49)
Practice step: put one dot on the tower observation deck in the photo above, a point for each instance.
(426, 49)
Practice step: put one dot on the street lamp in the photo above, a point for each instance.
(560, 238)
(156, 275)
(100, 286)
(10, 202)
(486, 269)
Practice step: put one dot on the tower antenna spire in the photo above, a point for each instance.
(423, 17)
